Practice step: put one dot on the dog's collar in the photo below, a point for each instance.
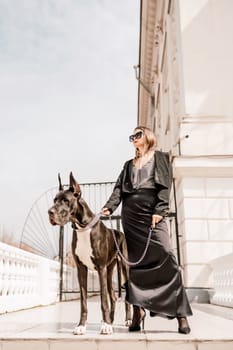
(88, 226)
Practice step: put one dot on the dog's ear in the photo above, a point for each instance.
(60, 185)
(74, 186)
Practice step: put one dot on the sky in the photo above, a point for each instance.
(68, 96)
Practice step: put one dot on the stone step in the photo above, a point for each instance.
(51, 328)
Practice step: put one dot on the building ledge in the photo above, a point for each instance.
(200, 118)
(203, 166)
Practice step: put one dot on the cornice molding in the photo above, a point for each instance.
(151, 41)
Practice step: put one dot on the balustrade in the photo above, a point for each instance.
(223, 281)
(28, 280)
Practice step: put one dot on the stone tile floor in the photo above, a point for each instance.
(51, 326)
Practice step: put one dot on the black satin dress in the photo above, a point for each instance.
(154, 284)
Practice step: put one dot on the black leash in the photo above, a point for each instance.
(130, 263)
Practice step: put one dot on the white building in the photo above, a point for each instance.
(186, 96)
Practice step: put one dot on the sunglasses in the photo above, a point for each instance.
(136, 136)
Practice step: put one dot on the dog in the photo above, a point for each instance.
(93, 248)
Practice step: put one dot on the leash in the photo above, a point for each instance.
(130, 263)
(89, 225)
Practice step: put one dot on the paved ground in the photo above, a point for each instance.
(51, 328)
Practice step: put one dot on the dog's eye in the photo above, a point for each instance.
(66, 201)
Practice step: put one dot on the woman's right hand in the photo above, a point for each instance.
(105, 212)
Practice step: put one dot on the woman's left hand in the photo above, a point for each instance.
(156, 219)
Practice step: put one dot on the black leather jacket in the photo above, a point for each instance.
(163, 182)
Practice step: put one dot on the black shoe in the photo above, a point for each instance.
(138, 318)
(184, 330)
(183, 325)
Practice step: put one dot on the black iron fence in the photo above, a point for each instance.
(96, 194)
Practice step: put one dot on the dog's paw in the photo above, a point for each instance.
(106, 328)
(128, 323)
(79, 330)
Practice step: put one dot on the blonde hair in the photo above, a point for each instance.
(150, 140)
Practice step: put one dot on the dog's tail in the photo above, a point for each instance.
(119, 276)
(122, 268)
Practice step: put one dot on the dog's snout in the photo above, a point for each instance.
(51, 211)
(52, 215)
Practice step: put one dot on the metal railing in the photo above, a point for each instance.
(96, 194)
(54, 242)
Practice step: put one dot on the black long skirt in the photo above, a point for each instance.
(155, 283)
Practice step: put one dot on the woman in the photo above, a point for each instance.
(143, 187)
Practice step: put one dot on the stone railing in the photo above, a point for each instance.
(28, 280)
(223, 281)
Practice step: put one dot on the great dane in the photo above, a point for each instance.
(93, 247)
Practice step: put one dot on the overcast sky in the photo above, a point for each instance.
(68, 95)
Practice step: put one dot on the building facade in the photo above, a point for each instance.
(185, 95)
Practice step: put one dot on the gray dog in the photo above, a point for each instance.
(93, 247)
